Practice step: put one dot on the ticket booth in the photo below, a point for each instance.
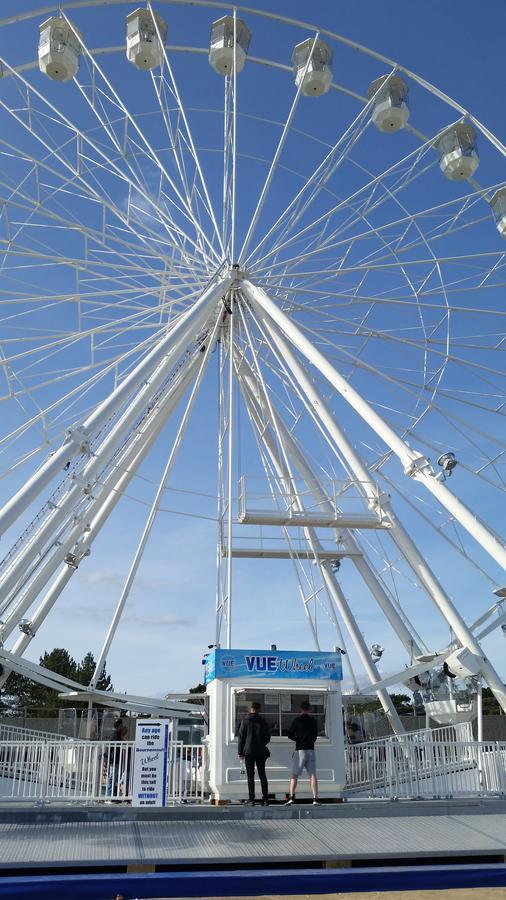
(279, 680)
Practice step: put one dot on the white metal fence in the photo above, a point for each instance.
(424, 765)
(19, 733)
(463, 731)
(91, 771)
(426, 768)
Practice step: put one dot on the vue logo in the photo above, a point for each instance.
(261, 663)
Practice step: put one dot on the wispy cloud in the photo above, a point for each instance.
(156, 621)
(111, 579)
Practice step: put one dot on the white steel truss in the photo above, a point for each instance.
(352, 296)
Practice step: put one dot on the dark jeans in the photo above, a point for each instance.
(250, 761)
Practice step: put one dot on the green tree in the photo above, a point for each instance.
(403, 704)
(490, 704)
(198, 689)
(86, 670)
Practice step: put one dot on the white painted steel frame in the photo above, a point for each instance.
(268, 312)
(416, 465)
(101, 509)
(253, 398)
(274, 17)
(406, 634)
(172, 343)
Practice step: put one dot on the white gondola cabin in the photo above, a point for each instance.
(498, 206)
(390, 111)
(458, 152)
(279, 681)
(59, 49)
(224, 50)
(144, 49)
(312, 60)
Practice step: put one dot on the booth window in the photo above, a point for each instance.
(280, 709)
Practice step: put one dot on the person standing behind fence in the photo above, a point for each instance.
(304, 732)
(254, 735)
(117, 759)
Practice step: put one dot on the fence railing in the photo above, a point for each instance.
(428, 768)
(101, 771)
(91, 771)
(463, 731)
(19, 733)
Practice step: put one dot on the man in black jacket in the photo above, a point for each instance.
(254, 735)
(304, 732)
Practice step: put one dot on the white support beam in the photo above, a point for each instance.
(294, 518)
(330, 581)
(102, 507)
(70, 688)
(415, 463)
(81, 486)
(405, 674)
(358, 473)
(153, 510)
(399, 534)
(196, 316)
(268, 553)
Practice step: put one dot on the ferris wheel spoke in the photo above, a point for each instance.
(78, 336)
(275, 160)
(172, 86)
(389, 336)
(361, 215)
(381, 298)
(154, 507)
(427, 514)
(411, 160)
(100, 161)
(129, 356)
(126, 250)
(349, 361)
(64, 403)
(185, 206)
(317, 181)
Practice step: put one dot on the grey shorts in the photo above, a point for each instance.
(303, 759)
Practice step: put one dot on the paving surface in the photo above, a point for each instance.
(198, 836)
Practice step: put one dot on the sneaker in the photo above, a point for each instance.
(290, 801)
(249, 802)
(316, 803)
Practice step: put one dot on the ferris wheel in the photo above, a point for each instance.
(310, 237)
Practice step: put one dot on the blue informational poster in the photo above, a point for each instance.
(150, 763)
(302, 664)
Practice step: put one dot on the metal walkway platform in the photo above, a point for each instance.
(198, 836)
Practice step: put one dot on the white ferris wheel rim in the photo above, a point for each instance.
(91, 4)
(478, 192)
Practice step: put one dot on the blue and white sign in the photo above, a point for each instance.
(273, 664)
(150, 763)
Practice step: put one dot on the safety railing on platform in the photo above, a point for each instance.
(462, 731)
(91, 771)
(19, 733)
(427, 768)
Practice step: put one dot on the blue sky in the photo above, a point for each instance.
(169, 618)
